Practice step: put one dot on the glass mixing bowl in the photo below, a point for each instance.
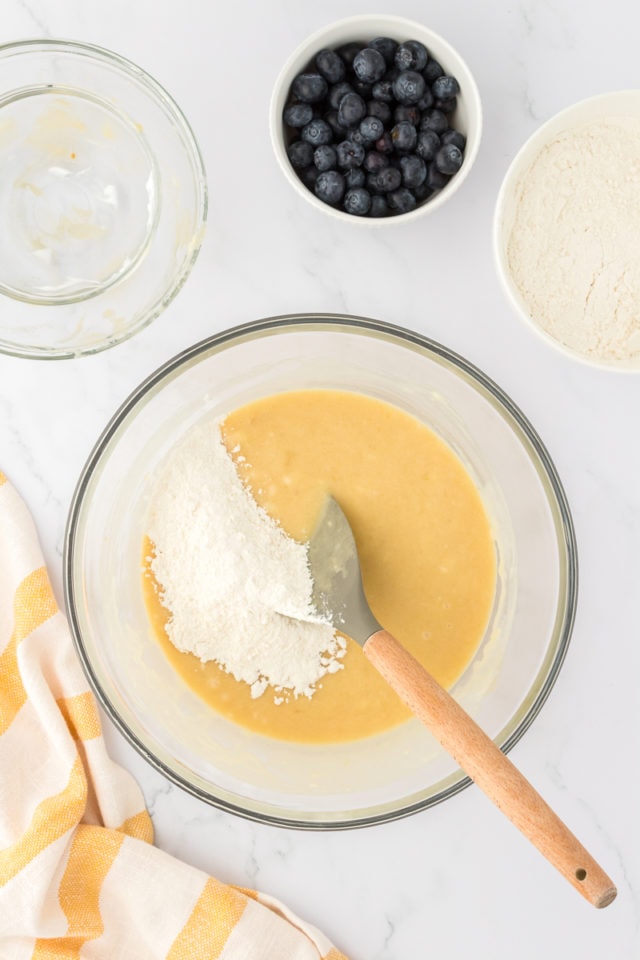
(338, 785)
(103, 198)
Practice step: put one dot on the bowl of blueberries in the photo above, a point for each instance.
(374, 118)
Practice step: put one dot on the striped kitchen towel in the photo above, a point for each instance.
(79, 875)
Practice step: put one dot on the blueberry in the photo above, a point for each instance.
(325, 157)
(309, 176)
(435, 178)
(356, 177)
(371, 129)
(357, 201)
(446, 106)
(349, 51)
(351, 110)
(349, 154)
(422, 192)
(383, 90)
(330, 186)
(426, 101)
(337, 92)
(432, 71)
(434, 120)
(331, 66)
(379, 109)
(411, 55)
(369, 65)
(331, 116)
(448, 159)
(412, 114)
(454, 136)
(408, 87)
(428, 144)
(445, 88)
(387, 47)
(309, 87)
(379, 206)
(374, 161)
(363, 89)
(298, 114)
(300, 154)
(401, 200)
(317, 132)
(404, 136)
(389, 178)
(385, 143)
(413, 170)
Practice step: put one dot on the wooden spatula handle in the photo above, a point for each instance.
(488, 766)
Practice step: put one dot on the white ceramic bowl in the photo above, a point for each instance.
(103, 199)
(379, 777)
(602, 343)
(467, 118)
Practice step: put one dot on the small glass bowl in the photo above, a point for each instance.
(338, 785)
(103, 198)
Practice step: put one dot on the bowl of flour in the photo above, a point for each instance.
(567, 231)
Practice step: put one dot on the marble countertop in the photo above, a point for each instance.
(455, 881)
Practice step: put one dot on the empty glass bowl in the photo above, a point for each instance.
(362, 781)
(103, 198)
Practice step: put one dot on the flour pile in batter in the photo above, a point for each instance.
(235, 584)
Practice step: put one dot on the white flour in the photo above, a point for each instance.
(574, 248)
(232, 578)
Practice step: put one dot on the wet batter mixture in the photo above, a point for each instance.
(424, 541)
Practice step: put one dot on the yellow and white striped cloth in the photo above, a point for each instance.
(79, 875)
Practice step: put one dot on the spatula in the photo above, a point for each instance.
(338, 595)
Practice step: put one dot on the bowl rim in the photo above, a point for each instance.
(563, 523)
(171, 108)
(281, 87)
(515, 169)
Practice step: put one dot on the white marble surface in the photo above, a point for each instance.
(456, 881)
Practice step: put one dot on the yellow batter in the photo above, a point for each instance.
(424, 541)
